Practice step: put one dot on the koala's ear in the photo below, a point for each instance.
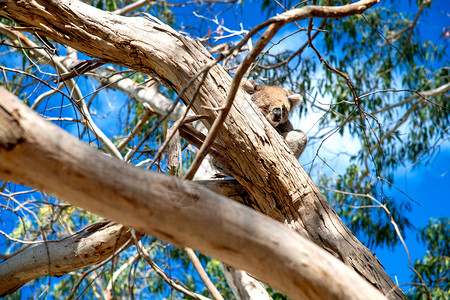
(294, 99)
(250, 86)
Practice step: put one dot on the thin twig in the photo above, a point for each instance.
(147, 114)
(202, 273)
(394, 224)
(217, 125)
(144, 254)
(80, 280)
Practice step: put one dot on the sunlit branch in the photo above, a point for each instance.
(393, 223)
(202, 273)
(144, 254)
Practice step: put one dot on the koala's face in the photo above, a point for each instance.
(276, 103)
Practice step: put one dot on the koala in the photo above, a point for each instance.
(276, 103)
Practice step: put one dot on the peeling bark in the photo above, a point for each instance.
(178, 211)
(260, 160)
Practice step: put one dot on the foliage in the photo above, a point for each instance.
(434, 267)
(361, 214)
(384, 53)
(388, 59)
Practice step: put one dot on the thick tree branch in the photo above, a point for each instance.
(36, 153)
(244, 286)
(97, 243)
(261, 161)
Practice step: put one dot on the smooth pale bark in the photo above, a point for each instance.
(97, 243)
(260, 160)
(36, 153)
(244, 286)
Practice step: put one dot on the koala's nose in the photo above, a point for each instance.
(276, 114)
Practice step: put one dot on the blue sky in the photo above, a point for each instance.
(428, 185)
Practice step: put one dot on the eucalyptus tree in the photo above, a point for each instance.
(368, 70)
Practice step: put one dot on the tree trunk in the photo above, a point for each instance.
(261, 162)
(37, 153)
(95, 244)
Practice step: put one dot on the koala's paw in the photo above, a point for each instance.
(296, 140)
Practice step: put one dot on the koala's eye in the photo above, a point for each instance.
(264, 107)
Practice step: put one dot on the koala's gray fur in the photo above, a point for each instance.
(276, 103)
